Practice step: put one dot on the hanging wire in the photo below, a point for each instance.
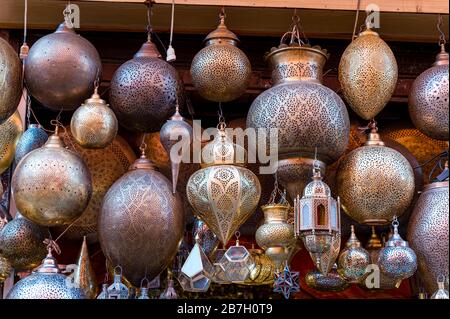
(356, 19)
(172, 18)
(221, 125)
(440, 22)
(296, 33)
(149, 5)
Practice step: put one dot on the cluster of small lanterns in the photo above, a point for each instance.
(141, 219)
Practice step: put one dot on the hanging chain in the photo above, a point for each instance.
(221, 125)
(296, 33)
(222, 15)
(143, 146)
(372, 126)
(442, 40)
(149, 5)
(356, 19)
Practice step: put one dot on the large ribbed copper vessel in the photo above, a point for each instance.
(61, 69)
(144, 91)
(141, 222)
(368, 74)
(10, 80)
(428, 233)
(428, 99)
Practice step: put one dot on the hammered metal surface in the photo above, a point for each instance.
(144, 91)
(141, 223)
(10, 132)
(368, 74)
(332, 281)
(428, 102)
(352, 263)
(44, 286)
(220, 72)
(261, 271)
(374, 184)
(306, 113)
(52, 185)
(94, 124)
(428, 234)
(397, 262)
(33, 138)
(61, 69)
(10, 80)
(21, 242)
(224, 197)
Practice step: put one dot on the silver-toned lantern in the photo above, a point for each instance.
(33, 138)
(441, 292)
(117, 290)
(223, 193)
(221, 71)
(353, 260)
(237, 263)
(61, 68)
(46, 282)
(396, 260)
(197, 271)
(176, 131)
(428, 99)
(317, 216)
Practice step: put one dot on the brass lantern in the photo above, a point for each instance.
(221, 71)
(10, 80)
(144, 90)
(428, 233)
(52, 185)
(307, 114)
(223, 193)
(61, 68)
(428, 99)
(94, 125)
(332, 281)
(368, 74)
(141, 222)
(375, 182)
(10, 132)
(317, 217)
(21, 243)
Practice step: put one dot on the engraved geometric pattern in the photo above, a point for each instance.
(223, 196)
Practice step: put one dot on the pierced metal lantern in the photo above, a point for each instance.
(221, 71)
(52, 185)
(353, 260)
(308, 114)
(428, 99)
(84, 275)
(237, 263)
(428, 233)
(117, 290)
(46, 282)
(176, 131)
(223, 193)
(33, 138)
(5, 269)
(276, 235)
(197, 271)
(368, 74)
(144, 90)
(21, 243)
(94, 124)
(441, 292)
(10, 132)
(141, 222)
(373, 247)
(396, 259)
(61, 68)
(10, 80)
(206, 238)
(317, 216)
(331, 281)
(375, 182)
(262, 270)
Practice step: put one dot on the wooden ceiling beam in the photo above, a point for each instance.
(399, 6)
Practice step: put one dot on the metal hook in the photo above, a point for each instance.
(118, 267)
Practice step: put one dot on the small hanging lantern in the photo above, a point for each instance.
(104, 293)
(441, 293)
(174, 131)
(94, 124)
(331, 281)
(169, 292)
(317, 216)
(84, 275)
(144, 289)
(196, 272)
(397, 260)
(286, 282)
(219, 277)
(237, 262)
(353, 260)
(117, 290)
